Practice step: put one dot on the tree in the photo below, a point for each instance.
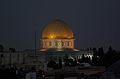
(66, 60)
(110, 57)
(83, 58)
(1, 48)
(1, 58)
(12, 49)
(100, 52)
(95, 58)
(101, 56)
(95, 53)
(60, 63)
(51, 64)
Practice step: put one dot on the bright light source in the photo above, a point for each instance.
(52, 36)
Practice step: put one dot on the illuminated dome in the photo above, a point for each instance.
(57, 29)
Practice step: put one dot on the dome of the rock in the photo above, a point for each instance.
(57, 29)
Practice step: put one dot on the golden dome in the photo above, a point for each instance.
(57, 29)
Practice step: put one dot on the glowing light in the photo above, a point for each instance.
(59, 49)
(52, 36)
(59, 44)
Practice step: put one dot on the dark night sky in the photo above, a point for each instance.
(95, 23)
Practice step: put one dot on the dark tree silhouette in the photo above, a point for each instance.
(12, 49)
(51, 64)
(87, 59)
(75, 62)
(1, 57)
(101, 56)
(105, 59)
(1, 48)
(60, 63)
(95, 53)
(83, 58)
(111, 57)
(66, 60)
(95, 58)
(101, 52)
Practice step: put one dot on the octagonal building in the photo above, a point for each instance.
(58, 35)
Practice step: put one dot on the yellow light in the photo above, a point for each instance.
(52, 36)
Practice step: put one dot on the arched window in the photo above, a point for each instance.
(50, 43)
(67, 43)
(70, 43)
(62, 43)
(45, 43)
